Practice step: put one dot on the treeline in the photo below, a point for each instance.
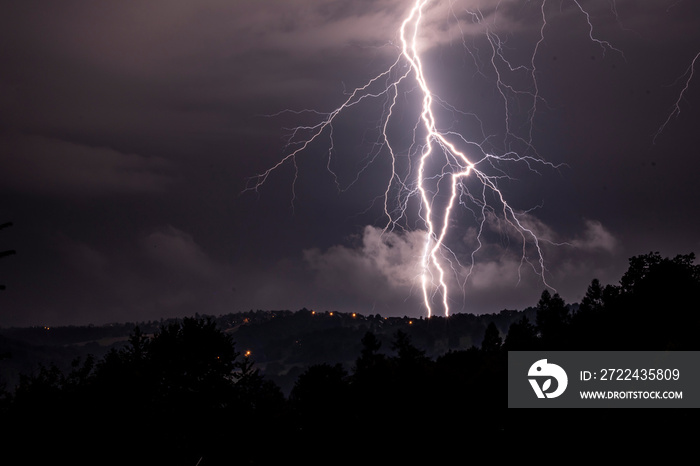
(654, 307)
(189, 395)
(283, 343)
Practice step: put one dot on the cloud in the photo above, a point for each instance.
(592, 237)
(383, 266)
(165, 273)
(177, 254)
(502, 277)
(83, 257)
(385, 269)
(595, 237)
(35, 163)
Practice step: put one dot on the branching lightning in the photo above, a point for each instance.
(677, 105)
(441, 160)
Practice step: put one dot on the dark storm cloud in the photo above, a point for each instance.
(164, 272)
(55, 167)
(129, 130)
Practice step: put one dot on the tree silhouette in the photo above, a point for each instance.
(492, 338)
(177, 397)
(407, 354)
(592, 326)
(656, 301)
(552, 320)
(650, 309)
(370, 364)
(593, 300)
(318, 389)
(521, 336)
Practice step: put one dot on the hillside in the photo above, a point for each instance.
(281, 343)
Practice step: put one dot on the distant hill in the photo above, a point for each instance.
(281, 343)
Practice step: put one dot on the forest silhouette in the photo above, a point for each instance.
(188, 396)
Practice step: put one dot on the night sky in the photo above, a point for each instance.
(129, 132)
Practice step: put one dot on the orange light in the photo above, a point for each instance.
(331, 313)
(354, 315)
(247, 353)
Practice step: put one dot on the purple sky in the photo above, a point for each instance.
(130, 130)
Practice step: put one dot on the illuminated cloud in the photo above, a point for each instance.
(383, 271)
(384, 264)
(595, 237)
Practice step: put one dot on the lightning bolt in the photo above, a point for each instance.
(676, 110)
(457, 167)
(445, 159)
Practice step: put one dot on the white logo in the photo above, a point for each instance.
(545, 372)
